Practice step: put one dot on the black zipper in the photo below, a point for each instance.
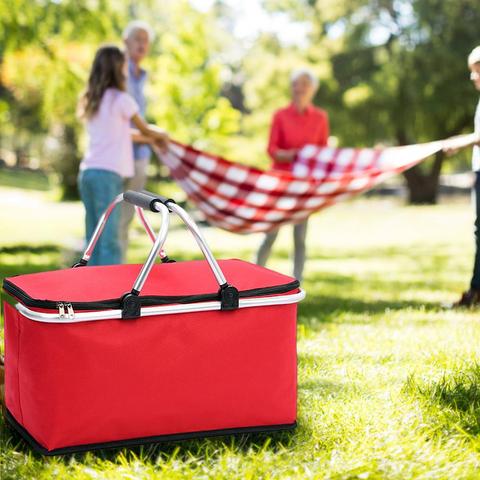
(146, 301)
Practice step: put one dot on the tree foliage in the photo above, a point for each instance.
(186, 80)
(47, 49)
(391, 72)
(399, 72)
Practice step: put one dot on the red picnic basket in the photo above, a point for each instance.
(194, 348)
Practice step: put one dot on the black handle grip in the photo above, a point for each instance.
(160, 198)
(145, 200)
(140, 199)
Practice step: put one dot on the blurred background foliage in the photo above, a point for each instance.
(391, 72)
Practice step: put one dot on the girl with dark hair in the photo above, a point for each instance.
(108, 110)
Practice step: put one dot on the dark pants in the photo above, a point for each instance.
(475, 283)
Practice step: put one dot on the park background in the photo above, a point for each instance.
(388, 380)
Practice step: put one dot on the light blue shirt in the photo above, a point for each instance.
(136, 87)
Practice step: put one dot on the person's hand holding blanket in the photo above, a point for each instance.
(148, 133)
(452, 145)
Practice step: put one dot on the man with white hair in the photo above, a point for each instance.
(137, 37)
(471, 297)
(293, 127)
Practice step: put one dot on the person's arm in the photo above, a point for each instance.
(138, 137)
(452, 145)
(276, 153)
(286, 156)
(152, 132)
(128, 109)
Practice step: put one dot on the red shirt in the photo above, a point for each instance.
(294, 129)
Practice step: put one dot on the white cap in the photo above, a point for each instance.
(474, 56)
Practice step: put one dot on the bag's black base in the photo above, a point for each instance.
(134, 442)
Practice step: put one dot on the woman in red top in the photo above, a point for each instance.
(293, 127)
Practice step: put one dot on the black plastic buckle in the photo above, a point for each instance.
(229, 297)
(80, 263)
(166, 259)
(131, 305)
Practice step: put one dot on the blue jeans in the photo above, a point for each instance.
(98, 188)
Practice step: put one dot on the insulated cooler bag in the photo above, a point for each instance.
(124, 355)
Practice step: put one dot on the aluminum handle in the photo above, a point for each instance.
(158, 310)
(101, 225)
(98, 231)
(229, 296)
(197, 234)
(131, 305)
(145, 199)
(156, 247)
(148, 228)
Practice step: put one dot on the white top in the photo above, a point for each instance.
(110, 143)
(476, 148)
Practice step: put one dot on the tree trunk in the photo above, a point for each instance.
(68, 164)
(423, 186)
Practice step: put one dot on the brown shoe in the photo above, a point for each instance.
(469, 299)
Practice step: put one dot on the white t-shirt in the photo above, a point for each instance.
(110, 142)
(476, 148)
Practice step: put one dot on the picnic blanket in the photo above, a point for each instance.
(244, 199)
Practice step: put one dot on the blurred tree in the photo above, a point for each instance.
(399, 72)
(41, 72)
(46, 48)
(391, 71)
(267, 67)
(187, 79)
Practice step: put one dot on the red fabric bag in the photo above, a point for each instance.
(87, 366)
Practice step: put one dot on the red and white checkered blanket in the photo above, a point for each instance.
(243, 199)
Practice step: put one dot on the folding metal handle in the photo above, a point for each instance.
(228, 293)
(97, 232)
(101, 225)
(146, 200)
(131, 304)
(150, 201)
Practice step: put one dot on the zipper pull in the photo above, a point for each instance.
(61, 310)
(71, 313)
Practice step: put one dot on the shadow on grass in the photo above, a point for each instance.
(457, 395)
(322, 306)
(35, 249)
(374, 281)
(25, 179)
(322, 388)
(412, 253)
(184, 450)
(22, 263)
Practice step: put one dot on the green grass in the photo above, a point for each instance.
(24, 179)
(389, 382)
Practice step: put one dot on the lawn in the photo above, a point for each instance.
(23, 178)
(389, 381)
